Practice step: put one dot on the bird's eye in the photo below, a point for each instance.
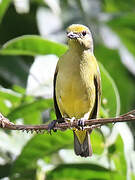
(84, 33)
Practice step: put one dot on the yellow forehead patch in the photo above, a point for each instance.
(77, 28)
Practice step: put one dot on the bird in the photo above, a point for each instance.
(77, 85)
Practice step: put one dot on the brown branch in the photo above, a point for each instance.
(88, 124)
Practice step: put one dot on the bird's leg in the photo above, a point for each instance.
(72, 120)
(51, 126)
(81, 122)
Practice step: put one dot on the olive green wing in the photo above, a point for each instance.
(56, 107)
(97, 83)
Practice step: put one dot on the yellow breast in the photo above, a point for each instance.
(75, 91)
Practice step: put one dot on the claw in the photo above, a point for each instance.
(81, 123)
(51, 126)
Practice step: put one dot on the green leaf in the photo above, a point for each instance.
(118, 156)
(8, 99)
(17, 24)
(32, 45)
(19, 89)
(4, 109)
(97, 142)
(40, 146)
(79, 172)
(28, 110)
(5, 170)
(125, 84)
(13, 73)
(124, 26)
(4, 4)
(132, 176)
(10, 95)
(110, 95)
(126, 20)
(112, 6)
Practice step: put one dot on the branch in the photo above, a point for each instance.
(88, 124)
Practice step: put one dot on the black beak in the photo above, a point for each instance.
(72, 35)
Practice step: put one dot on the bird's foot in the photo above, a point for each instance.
(72, 119)
(51, 126)
(81, 123)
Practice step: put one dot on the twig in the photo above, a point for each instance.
(88, 124)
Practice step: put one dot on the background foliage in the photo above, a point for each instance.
(32, 37)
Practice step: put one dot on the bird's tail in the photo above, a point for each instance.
(82, 145)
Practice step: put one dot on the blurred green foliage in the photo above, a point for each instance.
(51, 157)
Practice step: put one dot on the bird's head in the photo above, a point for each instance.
(79, 35)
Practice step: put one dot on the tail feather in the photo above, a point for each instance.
(84, 149)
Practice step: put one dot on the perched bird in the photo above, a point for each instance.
(77, 84)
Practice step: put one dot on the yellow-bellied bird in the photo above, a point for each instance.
(77, 84)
